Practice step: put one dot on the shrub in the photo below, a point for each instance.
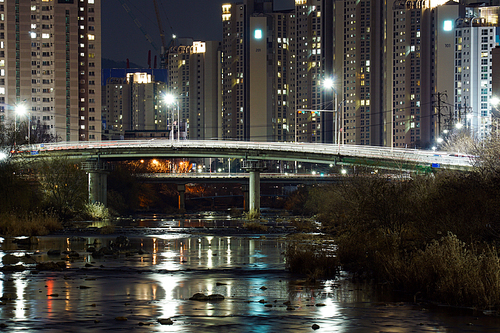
(255, 226)
(251, 215)
(96, 211)
(304, 224)
(312, 260)
(450, 271)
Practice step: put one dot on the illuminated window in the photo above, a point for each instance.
(33, 34)
(91, 37)
(45, 35)
(448, 25)
(258, 34)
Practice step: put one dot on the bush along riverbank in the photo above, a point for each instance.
(436, 237)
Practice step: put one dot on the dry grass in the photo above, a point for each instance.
(255, 226)
(30, 225)
(314, 261)
(450, 271)
(107, 230)
(251, 215)
(433, 235)
(304, 224)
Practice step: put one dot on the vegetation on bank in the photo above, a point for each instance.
(28, 225)
(435, 236)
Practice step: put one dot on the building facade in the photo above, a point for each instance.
(50, 63)
(134, 107)
(194, 81)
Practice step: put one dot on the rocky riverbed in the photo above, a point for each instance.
(198, 280)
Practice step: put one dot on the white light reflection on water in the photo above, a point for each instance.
(20, 285)
(169, 304)
(178, 266)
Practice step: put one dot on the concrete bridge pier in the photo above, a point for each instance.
(181, 188)
(254, 168)
(244, 189)
(97, 172)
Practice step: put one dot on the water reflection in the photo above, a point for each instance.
(248, 271)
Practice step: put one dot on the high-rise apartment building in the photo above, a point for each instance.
(361, 73)
(274, 65)
(50, 62)
(194, 80)
(475, 39)
(135, 107)
(398, 76)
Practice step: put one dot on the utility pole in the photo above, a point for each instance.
(439, 96)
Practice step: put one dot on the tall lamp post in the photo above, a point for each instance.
(330, 84)
(170, 99)
(20, 110)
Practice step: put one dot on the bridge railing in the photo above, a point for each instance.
(400, 154)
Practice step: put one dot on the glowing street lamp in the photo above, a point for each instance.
(170, 99)
(19, 111)
(329, 83)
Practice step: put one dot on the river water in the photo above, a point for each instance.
(132, 291)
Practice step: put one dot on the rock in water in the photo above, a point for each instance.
(165, 321)
(203, 297)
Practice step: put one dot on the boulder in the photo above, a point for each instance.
(203, 297)
(53, 252)
(165, 321)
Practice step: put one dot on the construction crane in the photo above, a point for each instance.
(163, 49)
(138, 24)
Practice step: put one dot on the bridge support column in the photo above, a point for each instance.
(97, 181)
(181, 188)
(254, 168)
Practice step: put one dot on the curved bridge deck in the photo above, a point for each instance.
(396, 158)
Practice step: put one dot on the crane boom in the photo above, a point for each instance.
(138, 24)
(160, 27)
(163, 50)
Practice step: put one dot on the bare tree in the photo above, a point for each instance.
(459, 141)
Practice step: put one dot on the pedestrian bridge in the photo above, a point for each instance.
(253, 154)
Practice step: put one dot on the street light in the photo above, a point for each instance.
(170, 99)
(329, 83)
(20, 111)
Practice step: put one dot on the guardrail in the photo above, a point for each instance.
(355, 151)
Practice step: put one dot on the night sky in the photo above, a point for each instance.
(197, 19)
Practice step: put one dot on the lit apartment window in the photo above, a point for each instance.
(91, 37)
(45, 35)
